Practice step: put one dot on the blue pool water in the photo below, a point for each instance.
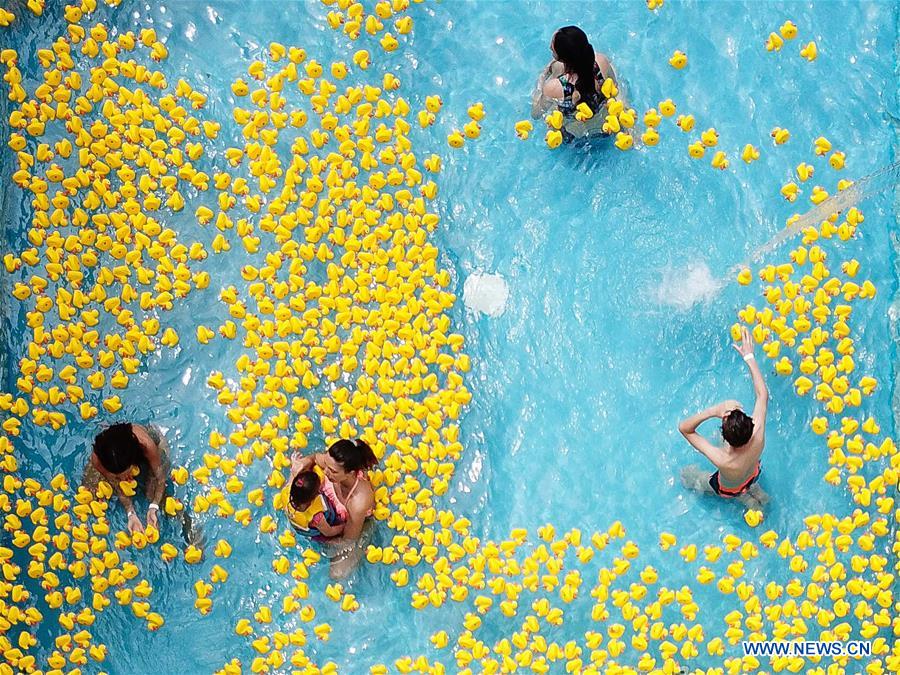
(578, 387)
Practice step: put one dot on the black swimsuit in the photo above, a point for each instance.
(567, 106)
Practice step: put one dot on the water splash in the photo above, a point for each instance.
(682, 288)
(685, 287)
(486, 293)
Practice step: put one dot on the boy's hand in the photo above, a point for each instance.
(746, 346)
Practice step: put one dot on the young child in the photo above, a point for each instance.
(311, 512)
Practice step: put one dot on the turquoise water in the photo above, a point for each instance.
(578, 387)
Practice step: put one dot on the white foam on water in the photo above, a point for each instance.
(486, 293)
(685, 287)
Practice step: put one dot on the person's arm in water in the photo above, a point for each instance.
(324, 527)
(134, 523)
(760, 390)
(688, 429)
(541, 100)
(156, 486)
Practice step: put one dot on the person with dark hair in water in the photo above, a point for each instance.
(118, 451)
(737, 461)
(311, 513)
(575, 75)
(347, 489)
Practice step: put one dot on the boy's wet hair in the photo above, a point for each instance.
(117, 448)
(737, 428)
(304, 488)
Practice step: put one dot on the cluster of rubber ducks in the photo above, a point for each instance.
(368, 351)
(102, 265)
(352, 18)
(786, 32)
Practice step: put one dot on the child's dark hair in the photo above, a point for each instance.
(737, 428)
(304, 488)
(117, 448)
(353, 455)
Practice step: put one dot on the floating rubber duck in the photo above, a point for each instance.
(696, 150)
(809, 51)
(652, 118)
(753, 517)
(710, 138)
(523, 129)
(650, 137)
(781, 136)
(774, 42)
(583, 112)
(837, 160)
(389, 43)
(678, 60)
(804, 172)
(667, 108)
(788, 30)
(685, 122)
(472, 130)
(821, 146)
(553, 138)
(790, 191)
(476, 111)
(749, 153)
(720, 160)
(609, 88)
(623, 141)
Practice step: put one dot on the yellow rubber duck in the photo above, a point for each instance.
(685, 122)
(788, 30)
(710, 138)
(652, 118)
(720, 160)
(781, 136)
(667, 108)
(696, 150)
(753, 517)
(774, 42)
(389, 43)
(821, 146)
(623, 140)
(583, 112)
(456, 140)
(790, 191)
(553, 138)
(471, 129)
(650, 137)
(678, 60)
(810, 51)
(837, 160)
(804, 172)
(523, 129)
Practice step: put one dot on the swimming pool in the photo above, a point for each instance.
(577, 388)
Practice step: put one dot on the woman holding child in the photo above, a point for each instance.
(331, 498)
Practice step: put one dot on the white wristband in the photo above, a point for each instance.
(153, 507)
(748, 357)
(130, 513)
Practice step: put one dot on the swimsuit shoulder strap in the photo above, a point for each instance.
(352, 490)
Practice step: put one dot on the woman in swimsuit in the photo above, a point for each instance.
(575, 74)
(348, 489)
(118, 451)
